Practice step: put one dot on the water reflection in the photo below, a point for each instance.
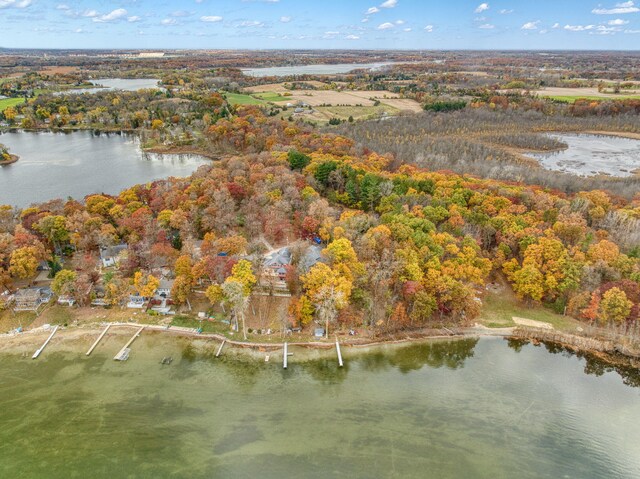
(593, 364)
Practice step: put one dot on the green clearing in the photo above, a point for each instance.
(7, 102)
(499, 308)
(242, 99)
(271, 96)
(573, 99)
(357, 112)
(207, 326)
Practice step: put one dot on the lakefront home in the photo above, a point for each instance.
(110, 255)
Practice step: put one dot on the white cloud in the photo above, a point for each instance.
(168, 21)
(406, 29)
(112, 16)
(389, 4)
(556, 25)
(385, 26)
(251, 24)
(89, 14)
(14, 3)
(620, 8)
(372, 10)
(579, 28)
(133, 19)
(482, 7)
(399, 22)
(364, 20)
(506, 11)
(211, 18)
(428, 28)
(352, 37)
(285, 19)
(180, 13)
(487, 26)
(63, 6)
(618, 22)
(530, 25)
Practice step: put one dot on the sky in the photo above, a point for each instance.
(321, 24)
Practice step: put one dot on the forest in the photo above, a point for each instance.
(414, 214)
(403, 246)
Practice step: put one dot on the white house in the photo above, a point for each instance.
(110, 256)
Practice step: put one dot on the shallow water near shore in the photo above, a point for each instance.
(468, 408)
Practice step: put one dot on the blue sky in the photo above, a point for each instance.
(353, 24)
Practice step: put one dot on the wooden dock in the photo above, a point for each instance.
(123, 354)
(340, 363)
(37, 353)
(98, 340)
(220, 348)
(285, 356)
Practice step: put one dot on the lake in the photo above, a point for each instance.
(75, 164)
(589, 155)
(473, 408)
(312, 69)
(126, 84)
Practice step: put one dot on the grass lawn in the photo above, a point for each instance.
(499, 308)
(573, 99)
(207, 326)
(357, 112)
(7, 102)
(241, 99)
(271, 96)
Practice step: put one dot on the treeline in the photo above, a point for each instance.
(473, 141)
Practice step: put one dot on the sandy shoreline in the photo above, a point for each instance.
(79, 339)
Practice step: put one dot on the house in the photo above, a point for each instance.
(66, 300)
(30, 299)
(311, 257)
(164, 288)
(275, 262)
(110, 255)
(136, 301)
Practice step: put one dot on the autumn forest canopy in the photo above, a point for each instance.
(412, 215)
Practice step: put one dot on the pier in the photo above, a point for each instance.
(285, 356)
(220, 348)
(98, 340)
(123, 355)
(37, 353)
(340, 363)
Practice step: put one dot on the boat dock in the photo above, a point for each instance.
(340, 363)
(123, 355)
(98, 340)
(37, 353)
(285, 356)
(220, 348)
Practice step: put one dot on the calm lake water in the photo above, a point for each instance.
(126, 84)
(59, 165)
(311, 69)
(589, 155)
(466, 409)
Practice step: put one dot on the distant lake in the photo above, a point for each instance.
(312, 69)
(589, 155)
(125, 84)
(59, 165)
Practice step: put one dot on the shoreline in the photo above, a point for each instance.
(12, 159)
(605, 350)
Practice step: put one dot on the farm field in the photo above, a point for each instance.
(349, 98)
(242, 99)
(587, 92)
(7, 102)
